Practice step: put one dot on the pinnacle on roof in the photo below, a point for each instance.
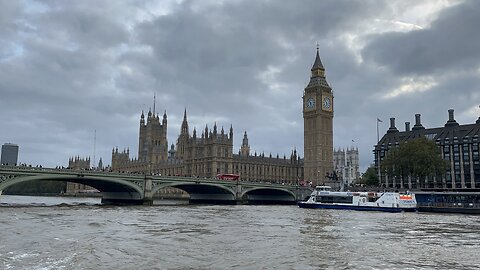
(154, 104)
(318, 63)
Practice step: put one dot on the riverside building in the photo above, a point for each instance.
(9, 154)
(204, 155)
(459, 145)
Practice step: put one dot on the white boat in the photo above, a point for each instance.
(323, 197)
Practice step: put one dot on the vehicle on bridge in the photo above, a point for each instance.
(228, 176)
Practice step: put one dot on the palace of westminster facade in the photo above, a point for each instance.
(210, 152)
(206, 155)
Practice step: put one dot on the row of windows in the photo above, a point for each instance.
(335, 199)
(430, 183)
(465, 147)
(221, 152)
(446, 148)
(466, 156)
(464, 140)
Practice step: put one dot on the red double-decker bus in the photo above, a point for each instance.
(228, 176)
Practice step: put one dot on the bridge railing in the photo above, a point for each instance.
(138, 175)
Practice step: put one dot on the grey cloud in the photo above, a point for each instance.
(449, 45)
(90, 65)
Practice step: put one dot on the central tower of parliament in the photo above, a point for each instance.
(210, 152)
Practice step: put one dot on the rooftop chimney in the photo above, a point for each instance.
(451, 119)
(418, 123)
(392, 126)
(407, 126)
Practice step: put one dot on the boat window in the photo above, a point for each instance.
(335, 199)
(323, 188)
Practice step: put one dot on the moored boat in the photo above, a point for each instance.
(323, 197)
(464, 202)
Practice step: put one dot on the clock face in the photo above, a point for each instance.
(310, 103)
(327, 103)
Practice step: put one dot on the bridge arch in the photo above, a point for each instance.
(203, 192)
(110, 187)
(268, 195)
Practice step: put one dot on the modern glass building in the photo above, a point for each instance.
(9, 154)
(459, 145)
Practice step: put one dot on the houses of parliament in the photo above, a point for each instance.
(204, 155)
(209, 152)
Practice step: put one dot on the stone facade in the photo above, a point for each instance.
(459, 145)
(206, 155)
(346, 163)
(77, 163)
(318, 128)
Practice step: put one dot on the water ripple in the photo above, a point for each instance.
(233, 237)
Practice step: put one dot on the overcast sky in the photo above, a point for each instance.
(68, 68)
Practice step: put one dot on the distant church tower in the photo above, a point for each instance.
(318, 127)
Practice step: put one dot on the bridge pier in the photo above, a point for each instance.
(238, 194)
(147, 202)
(122, 198)
(111, 201)
(147, 190)
(205, 198)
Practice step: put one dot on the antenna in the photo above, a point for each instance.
(153, 103)
(94, 146)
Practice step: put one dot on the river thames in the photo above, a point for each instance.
(59, 233)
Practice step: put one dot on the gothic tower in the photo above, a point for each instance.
(318, 127)
(183, 138)
(245, 148)
(152, 142)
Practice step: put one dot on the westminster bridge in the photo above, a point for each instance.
(120, 188)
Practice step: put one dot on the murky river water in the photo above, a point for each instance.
(70, 236)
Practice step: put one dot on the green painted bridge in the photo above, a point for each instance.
(117, 188)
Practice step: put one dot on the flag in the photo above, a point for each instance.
(378, 120)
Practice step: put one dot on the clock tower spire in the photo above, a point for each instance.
(318, 127)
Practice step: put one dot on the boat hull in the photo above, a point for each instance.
(354, 207)
(458, 210)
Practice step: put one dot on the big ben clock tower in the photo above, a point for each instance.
(318, 128)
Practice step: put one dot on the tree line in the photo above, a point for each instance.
(37, 188)
(419, 160)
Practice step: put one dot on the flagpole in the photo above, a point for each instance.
(378, 155)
